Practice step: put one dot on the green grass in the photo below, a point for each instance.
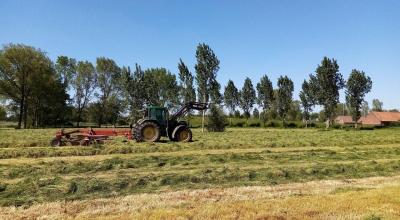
(32, 171)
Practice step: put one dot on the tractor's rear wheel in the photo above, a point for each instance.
(149, 132)
(184, 134)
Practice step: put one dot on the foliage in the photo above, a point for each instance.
(3, 113)
(307, 100)
(364, 108)
(325, 85)
(161, 87)
(358, 85)
(284, 96)
(27, 77)
(247, 97)
(108, 74)
(83, 83)
(377, 105)
(265, 93)
(231, 96)
(207, 67)
(256, 113)
(187, 90)
(216, 119)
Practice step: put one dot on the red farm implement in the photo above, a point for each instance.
(88, 136)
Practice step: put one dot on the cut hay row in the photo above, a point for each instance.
(327, 199)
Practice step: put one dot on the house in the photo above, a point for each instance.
(344, 120)
(380, 118)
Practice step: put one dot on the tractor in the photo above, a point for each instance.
(157, 123)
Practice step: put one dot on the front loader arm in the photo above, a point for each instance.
(187, 107)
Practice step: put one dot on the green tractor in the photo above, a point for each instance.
(157, 123)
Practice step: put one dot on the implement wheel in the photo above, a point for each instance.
(56, 142)
(149, 132)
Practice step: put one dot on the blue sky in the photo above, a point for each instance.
(251, 38)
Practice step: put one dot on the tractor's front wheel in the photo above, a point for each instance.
(183, 134)
(149, 132)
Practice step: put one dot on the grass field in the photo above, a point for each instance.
(34, 175)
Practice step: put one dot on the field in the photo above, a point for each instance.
(241, 173)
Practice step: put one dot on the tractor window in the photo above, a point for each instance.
(160, 115)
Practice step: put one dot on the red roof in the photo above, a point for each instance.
(387, 116)
(378, 118)
(342, 119)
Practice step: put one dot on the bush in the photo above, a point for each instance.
(254, 124)
(216, 119)
(273, 124)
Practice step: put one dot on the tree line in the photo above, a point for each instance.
(41, 92)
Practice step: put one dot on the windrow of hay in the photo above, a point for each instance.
(327, 199)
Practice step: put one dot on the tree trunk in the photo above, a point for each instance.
(202, 121)
(204, 115)
(327, 124)
(25, 114)
(21, 112)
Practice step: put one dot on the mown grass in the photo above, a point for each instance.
(31, 171)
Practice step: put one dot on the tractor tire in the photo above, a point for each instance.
(148, 131)
(135, 132)
(182, 134)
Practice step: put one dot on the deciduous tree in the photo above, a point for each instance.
(247, 96)
(206, 76)
(187, 91)
(83, 84)
(108, 74)
(307, 101)
(377, 105)
(325, 85)
(284, 96)
(358, 85)
(265, 92)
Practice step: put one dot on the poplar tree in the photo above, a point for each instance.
(358, 85)
(231, 96)
(206, 76)
(284, 96)
(187, 91)
(265, 93)
(247, 96)
(307, 101)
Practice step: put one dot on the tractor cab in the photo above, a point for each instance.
(156, 113)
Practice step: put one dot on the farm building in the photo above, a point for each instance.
(344, 120)
(380, 118)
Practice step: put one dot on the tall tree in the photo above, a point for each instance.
(66, 69)
(24, 71)
(206, 76)
(377, 105)
(247, 96)
(365, 108)
(108, 74)
(161, 87)
(231, 96)
(187, 90)
(307, 101)
(83, 84)
(358, 85)
(265, 93)
(132, 85)
(284, 96)
(325, 85)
